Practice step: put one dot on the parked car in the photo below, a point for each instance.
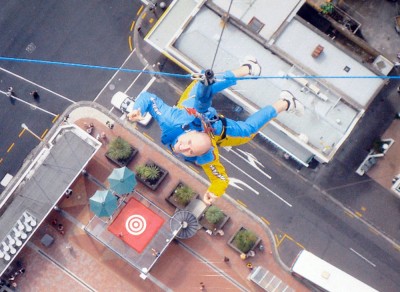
(125, 103)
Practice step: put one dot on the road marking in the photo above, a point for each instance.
(265, 220)
(55, 119)
(241, 203)
(272, 192)
(236, 182)
(44, 133)
(137, 77)
(349, 214)
(147, 136)
(1, 160)
(31, 105)
(115, 74)
(11, 147)
(21, 133)
(130, 43)
(358, 214)
(132, 25)
(144, 15)
(37, 85)
(364, 258)
(250, 159)
(140, 10)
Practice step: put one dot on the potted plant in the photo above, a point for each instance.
(244, 240)
(213, 218)
(120, 152)
(151, 175)
(181, 196)
(327, 8)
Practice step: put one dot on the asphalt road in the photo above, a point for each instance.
(97, 33)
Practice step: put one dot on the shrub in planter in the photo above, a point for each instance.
(244, 240)
(214, 215)
(151, 174)
(119, 149)
(148, 172)
(183, 194)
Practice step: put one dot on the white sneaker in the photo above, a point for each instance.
(294, 105)
(251, 62)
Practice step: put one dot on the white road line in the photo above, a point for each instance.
(137, 77)
(37, 85)
(272, 192)
(365, 259)
(251, 160)
(109, 81)
(30, 104)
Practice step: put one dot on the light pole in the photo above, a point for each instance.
(25, 127)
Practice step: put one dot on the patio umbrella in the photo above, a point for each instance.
(122, 180)
(103, 203)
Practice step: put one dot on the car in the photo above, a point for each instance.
(125, 103)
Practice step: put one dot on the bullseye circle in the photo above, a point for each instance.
(135, 224)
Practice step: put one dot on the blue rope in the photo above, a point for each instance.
(186, 76)
(93, 67)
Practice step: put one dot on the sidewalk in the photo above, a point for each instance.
(78, 262)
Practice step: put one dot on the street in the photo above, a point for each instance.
(296, 208)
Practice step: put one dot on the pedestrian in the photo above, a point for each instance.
(250, 266)
(194, 130)
(10, 91)
(14, 284)
(202, 286)
(110, 125)
(251, 253)
(243, 256)
(11, 278)
(103, 136)
(68, 193)
(226, 259)
(22, 271)
(398, 90)
(155, 253)
(34, 94)
(60, 227)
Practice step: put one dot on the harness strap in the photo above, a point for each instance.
(223, 133)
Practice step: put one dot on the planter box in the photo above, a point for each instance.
(213, 227)
(125, 162)
(153, 185)
(230, 242)
(171, 199)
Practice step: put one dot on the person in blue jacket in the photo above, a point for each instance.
(194, 130)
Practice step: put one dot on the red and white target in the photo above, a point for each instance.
(135, 224)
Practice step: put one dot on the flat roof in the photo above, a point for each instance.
(45, 181)
(298, 42)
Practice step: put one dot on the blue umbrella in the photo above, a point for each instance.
(122, 180)
(103, 203)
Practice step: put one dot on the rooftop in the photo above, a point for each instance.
(42, 183)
